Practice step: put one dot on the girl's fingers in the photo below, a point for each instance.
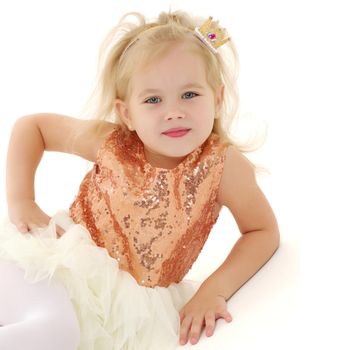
(182, 316)
(185, 327)
(210, 323)
(227, 316)
(31, 228)
(34, 227)
(23, 228)
(59, 231)
(196, 329)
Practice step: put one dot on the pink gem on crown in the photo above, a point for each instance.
(212, 36)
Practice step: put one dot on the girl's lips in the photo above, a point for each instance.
(176, 133)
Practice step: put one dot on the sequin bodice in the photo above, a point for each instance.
(154, 221)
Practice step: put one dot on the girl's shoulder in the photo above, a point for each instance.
(237, 175)
(100, 136)
(61, 133)
(241, 194)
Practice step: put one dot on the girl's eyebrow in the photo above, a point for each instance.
(190, 85)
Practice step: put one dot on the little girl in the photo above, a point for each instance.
(108, 273)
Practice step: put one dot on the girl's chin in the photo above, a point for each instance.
(176, 154)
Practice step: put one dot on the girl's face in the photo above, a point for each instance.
(172, 92)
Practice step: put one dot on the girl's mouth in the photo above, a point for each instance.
(176, 133)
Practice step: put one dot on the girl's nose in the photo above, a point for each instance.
(175, 115)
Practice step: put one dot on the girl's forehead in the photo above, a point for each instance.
(173, 73)
(176, 66)
(174, 62)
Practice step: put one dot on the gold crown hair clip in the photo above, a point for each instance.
(211, 35)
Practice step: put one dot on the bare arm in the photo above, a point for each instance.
(240, 193)
(30, 137)
(24, 154)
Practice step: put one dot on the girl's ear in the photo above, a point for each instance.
(123, 112)
(219, 98)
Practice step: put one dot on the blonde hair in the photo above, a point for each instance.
(118, 59)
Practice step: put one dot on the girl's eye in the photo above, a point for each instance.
(190, 93)
(154, 99)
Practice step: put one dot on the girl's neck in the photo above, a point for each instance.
(160, 161)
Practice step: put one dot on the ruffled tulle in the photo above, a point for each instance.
(114, 312)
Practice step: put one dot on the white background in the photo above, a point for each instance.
(294, 77)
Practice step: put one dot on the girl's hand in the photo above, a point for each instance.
(202, 310)
(26, 216)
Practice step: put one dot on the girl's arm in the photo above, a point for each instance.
(31, 136)
(24, 154)
(240, 193)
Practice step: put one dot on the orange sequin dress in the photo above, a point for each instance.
(131, 234)
(154, 221)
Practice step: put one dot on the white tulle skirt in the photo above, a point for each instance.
(114, 312)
